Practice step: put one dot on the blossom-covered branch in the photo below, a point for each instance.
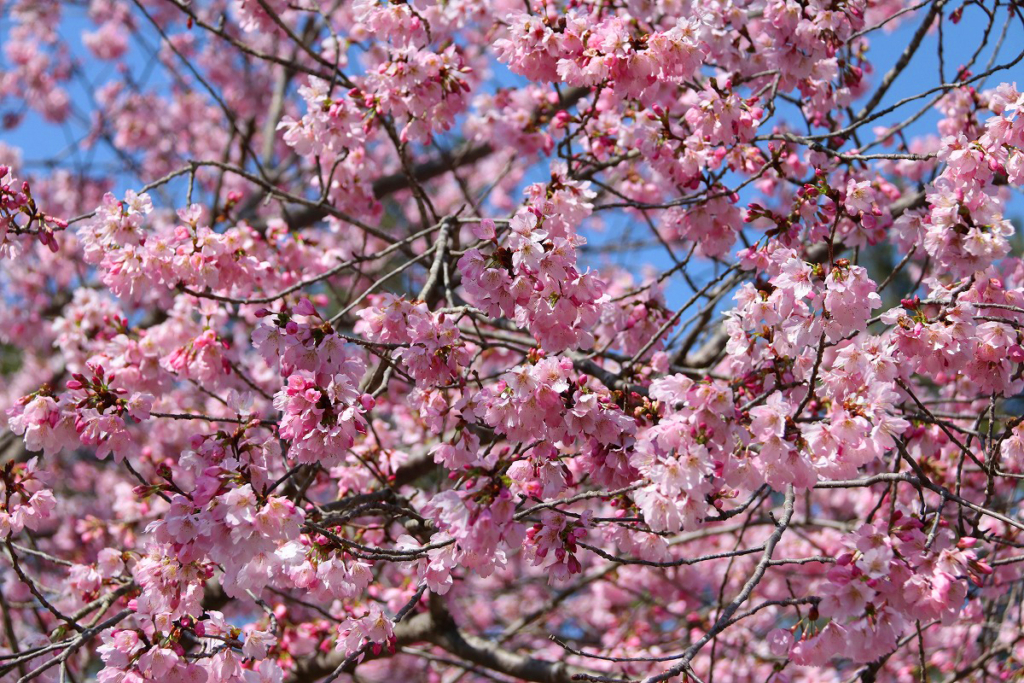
(511, 341)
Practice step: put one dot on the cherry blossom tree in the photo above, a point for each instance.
(511, 340)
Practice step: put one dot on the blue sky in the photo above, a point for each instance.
(41, 141)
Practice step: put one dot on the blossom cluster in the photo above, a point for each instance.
(27, 501)
(16, 201)
(530, 275)
(882, 582)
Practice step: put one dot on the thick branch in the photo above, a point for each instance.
(422, 628)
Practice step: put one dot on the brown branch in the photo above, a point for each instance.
(424, 628)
